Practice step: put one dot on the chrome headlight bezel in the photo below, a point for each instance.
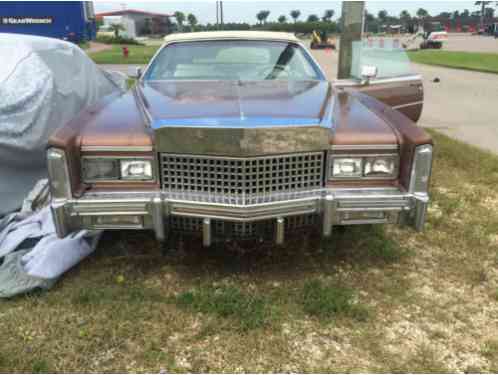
(421, 171)
(366, 163)
(118, 169)
(58, 173)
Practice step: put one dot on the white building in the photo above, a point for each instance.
(138, 23)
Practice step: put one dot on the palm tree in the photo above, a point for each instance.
(382, 15)
(192, 20)
(180, 18)
(282, 19)
(405, 17)
(116, 28)
(295, 14)
(327, 16)
(262, 16)
(422, 13)
(313, 18)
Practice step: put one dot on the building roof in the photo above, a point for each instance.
(206, 35)
(132, 11)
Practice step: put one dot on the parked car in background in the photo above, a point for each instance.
(239, 135)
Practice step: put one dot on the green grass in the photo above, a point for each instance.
(137, 55)
(250, 311)
(482, 62)
(330, 301)
(370, 299)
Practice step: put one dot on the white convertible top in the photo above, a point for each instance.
(210, 35)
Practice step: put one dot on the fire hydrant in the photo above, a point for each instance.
(125, 52)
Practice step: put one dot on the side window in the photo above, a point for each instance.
(386, 54)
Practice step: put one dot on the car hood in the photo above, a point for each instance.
(235, 103)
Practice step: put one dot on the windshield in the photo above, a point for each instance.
(233, 60)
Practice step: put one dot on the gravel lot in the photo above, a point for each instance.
(471, 43)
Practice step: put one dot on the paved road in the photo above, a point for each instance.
(463, 104)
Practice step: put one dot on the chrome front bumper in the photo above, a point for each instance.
(140, 210)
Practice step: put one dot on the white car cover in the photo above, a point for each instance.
(44, 83)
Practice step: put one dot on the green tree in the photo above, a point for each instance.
(370, 24)
(456, 14)
(295, 14)
(313, 18)
(445, 15)
(382, 16)
(116, 28)
(282, 19)
(489, 13)
(262, 16)
(192, 21)
(422, 13)
(404, 16)
(465, 13)
(327, 15)
(482, 4)
(180, 18)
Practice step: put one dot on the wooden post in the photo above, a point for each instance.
(351, 30)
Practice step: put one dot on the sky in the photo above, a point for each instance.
(245, 11)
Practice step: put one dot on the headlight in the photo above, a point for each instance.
(358, 167)
(347, 167)
(109, 169)
(381, 166)
(136, 170)
(100, 169)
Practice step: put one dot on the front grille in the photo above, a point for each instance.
(235, 230)
(252, 176)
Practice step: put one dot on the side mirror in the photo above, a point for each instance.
(368, 72)
(134, 72)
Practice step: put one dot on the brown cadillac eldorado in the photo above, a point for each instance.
(239, 135)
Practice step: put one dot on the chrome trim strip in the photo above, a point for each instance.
(392, 147)
(328, 215)
(207, 232)
(420, 102)
(352, 82)
(280, 231)
(116, 148)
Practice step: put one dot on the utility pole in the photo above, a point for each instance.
(351, 30)
(221, 14)
(217, 17)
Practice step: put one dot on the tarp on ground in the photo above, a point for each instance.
(44, 83)
(33, 257)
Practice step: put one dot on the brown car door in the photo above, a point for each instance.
(405, 94)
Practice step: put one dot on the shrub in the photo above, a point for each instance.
(108, 39)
